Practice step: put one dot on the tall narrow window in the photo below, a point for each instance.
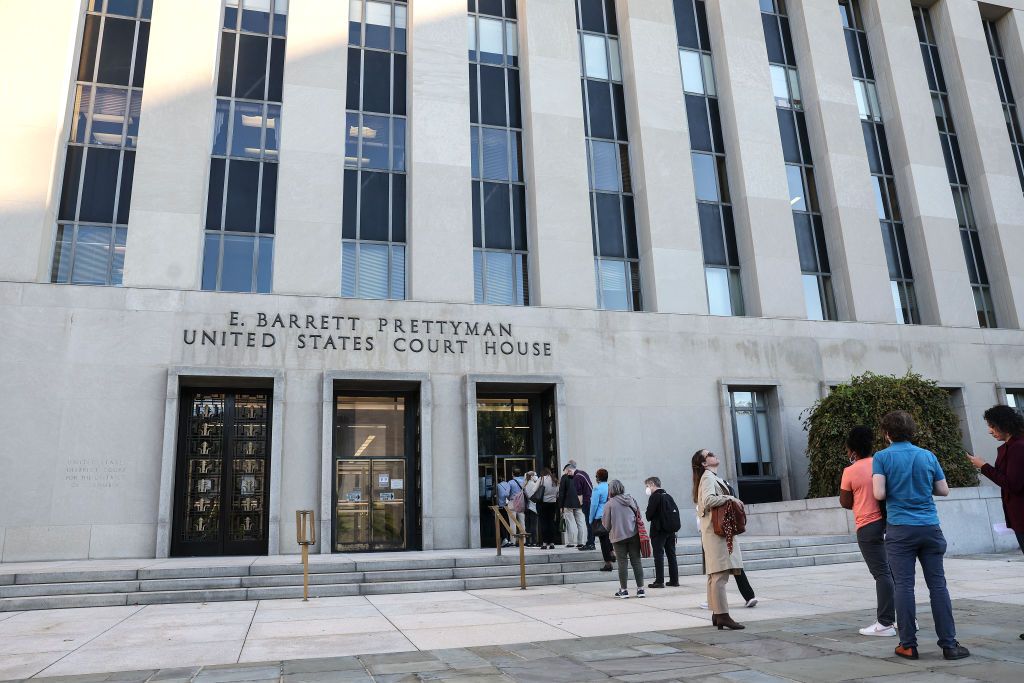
(897, 256)
(1010, 112)
(707, 154)
(373, 224)
(751, 432)
(92, 219)
(1015, 399)
(613, 219)
(955, 170)
(496, 125)
(242, 200)
(796, 147)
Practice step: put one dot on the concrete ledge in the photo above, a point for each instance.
(164, 597)
(63, 602)
(390, 565)
(416, 574)
(412, 586)
(83, 576)
(204, 584)
(94, 588)
(192, 572)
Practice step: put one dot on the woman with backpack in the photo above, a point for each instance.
(533, 492)
(622, 520)
(516, 505)
(711, 491)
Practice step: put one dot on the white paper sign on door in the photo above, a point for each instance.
(398, 483)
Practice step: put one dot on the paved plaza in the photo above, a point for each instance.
(804, 629)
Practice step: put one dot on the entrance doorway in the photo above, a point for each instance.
(515, 434)
(376, 444)
(223, 472)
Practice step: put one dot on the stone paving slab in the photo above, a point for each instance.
(815, 649)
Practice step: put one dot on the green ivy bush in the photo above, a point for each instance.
(864, 401)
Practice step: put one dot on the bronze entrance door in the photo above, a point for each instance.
(223, 473)
(375, 472)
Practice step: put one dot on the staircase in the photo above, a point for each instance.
(118, 582)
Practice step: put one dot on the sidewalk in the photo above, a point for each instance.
(556, 633)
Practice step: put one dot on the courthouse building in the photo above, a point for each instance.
(369, 257)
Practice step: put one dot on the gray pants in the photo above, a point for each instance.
(871, 539)
(629, 549)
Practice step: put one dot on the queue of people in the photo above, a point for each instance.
(891, 493)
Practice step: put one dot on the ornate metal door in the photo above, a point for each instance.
(223, 473)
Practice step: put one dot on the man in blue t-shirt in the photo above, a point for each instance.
(906, 478)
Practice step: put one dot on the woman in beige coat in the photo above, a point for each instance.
(711, 491)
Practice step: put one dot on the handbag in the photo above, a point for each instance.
(598, 528)
(645, 540)
(538, 495)
(729, 521)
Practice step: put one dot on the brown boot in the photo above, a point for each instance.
(725, 621)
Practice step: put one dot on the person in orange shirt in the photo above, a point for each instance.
(855, 493)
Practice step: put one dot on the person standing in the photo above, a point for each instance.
(1007, 425)
(532, 484)
(503, 490)
(663, 514)
(515, 486)
(568, 501)
(856, 493)
(597, 503)
(711, 491)
(585, 489)
(620, 517)
(548, 510)
(906, 477)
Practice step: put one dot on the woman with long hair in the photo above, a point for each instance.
(547, 510)
(711, 491)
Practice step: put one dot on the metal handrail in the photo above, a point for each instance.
(499, 521)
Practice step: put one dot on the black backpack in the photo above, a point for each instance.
(670, 522)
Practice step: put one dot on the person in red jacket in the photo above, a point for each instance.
(1007, 425)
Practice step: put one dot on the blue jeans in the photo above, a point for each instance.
(904, 545)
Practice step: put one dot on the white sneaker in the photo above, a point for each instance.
(877, 629)
(703, 605)
(752, 602)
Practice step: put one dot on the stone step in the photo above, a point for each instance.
(268, 587)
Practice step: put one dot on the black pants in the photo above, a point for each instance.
(871, 539)
(531, 527)
(1020, 540)
(590, 522)
(606, 547)
(548, 513)
(665, 545)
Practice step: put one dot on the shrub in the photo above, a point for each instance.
(864, 401)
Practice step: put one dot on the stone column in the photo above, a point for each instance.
(440, 231)
(555, 157)
(929, 217)
(988, 158)
(845, 193)
(307, 243)
(765, 235)
(165, 235)
(37, 91)
(668, 230)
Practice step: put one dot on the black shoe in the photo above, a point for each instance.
(656, 584)
(607, 567)
(585, 547)
(673, 584)
(958, 651)
(906, 652)
(1022, 636)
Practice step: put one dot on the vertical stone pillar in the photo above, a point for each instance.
(668, 230)
(307, 242)
(765, 235)
(37, 91)
(555, 157)
(440, 231)
(985, 145)
(929, 217)
(845, 193)
(165, 235)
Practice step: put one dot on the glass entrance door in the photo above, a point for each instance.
(222, 474)
(506, 444)
(374, 439)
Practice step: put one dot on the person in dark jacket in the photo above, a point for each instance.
(1007, 425)
(575, 534)
(663, 514)
(585, 489)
